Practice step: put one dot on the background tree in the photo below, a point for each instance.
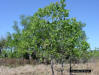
(2, 44)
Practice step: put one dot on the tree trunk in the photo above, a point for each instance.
(70, 67)
(0, 50)
(62, 67)
(52, 64)
(30, 58)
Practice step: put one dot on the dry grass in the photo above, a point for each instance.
(14, 61)
(41, 69)
(45, 69)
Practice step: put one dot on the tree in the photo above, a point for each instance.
(2, 44)
(51, 34)
(51, 31)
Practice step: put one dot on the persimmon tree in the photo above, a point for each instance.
(54, 35)
(51, 34)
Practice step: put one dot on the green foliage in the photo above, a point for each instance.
(95, 53)
(49, 33)
(3, 54)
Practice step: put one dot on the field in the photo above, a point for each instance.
(42, 69)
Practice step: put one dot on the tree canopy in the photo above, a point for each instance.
(50, 32)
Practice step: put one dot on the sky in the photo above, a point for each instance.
(86, 11)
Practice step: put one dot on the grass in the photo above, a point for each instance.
(21, 67)
(42, 69)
